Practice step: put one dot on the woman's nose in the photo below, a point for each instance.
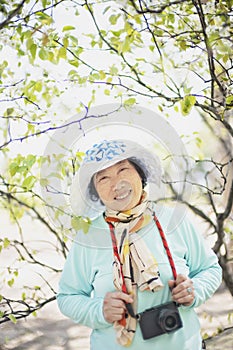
(119, 185)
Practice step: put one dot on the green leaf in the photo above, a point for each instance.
(85, 226)
(107, 92)
(75, 223)
(183, 44)
(74, 63)
(131, 101)
(33, 49)
(43, 54)
(65, 42)
(74, 40)
(30, 129)
(62, 53)
(171, 18)
(116, 33)
(187, 104)
(78, 223)
(229, 100)
(102, 75)
(44, 18)
(106, 9)
(79, 156)
(29, 43)
(22, 169)
(113, 19)
(38, 86)
(13, 168)
(29, 182)
(160, 108)
(94, 77)
(11, 282)
(6, 243)
(9, 111)
(113, 70)
(67, 28)
(176, 108)
(125, 47)
(12, 318)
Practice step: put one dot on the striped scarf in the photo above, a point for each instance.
(138, 265)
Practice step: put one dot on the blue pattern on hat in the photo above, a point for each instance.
(106, 150)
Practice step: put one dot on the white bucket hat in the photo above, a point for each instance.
(101, 156)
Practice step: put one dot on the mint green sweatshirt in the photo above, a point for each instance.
(87, 277)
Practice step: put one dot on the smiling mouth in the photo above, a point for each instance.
(123, 196)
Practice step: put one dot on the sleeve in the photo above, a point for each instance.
(75, 298)
(205, 270)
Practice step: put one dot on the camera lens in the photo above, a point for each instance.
(168, 320)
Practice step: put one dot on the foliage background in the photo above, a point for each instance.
(62, 57)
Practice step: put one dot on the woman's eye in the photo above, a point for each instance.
(122, 169)
(102, 178)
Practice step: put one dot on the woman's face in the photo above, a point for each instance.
(119, 186)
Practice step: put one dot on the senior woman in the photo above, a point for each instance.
(128, 280)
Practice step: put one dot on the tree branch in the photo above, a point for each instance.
(150, 10)
(12, 14)
(18, 314)
(210, 56)
(10, 196)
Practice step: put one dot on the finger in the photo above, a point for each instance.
(117, 312)
(182, 284)
(185, 296)
(180, 278)
(115, 303)
(123, 296)
(112, 315)
(171, 284)
(187, 300)
(120, 296)
(117, 318)
(113, 311)
(112, 302)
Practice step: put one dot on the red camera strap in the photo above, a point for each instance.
(165, 244)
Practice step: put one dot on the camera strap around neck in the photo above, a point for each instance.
(116, 253)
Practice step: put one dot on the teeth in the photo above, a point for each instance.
(123, 196)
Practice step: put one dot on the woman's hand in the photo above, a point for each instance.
(182, 290)
(114, 306)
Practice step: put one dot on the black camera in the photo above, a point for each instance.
(158, 320)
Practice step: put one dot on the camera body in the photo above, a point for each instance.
(158, 320)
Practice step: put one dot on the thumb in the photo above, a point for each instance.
(171, 284)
